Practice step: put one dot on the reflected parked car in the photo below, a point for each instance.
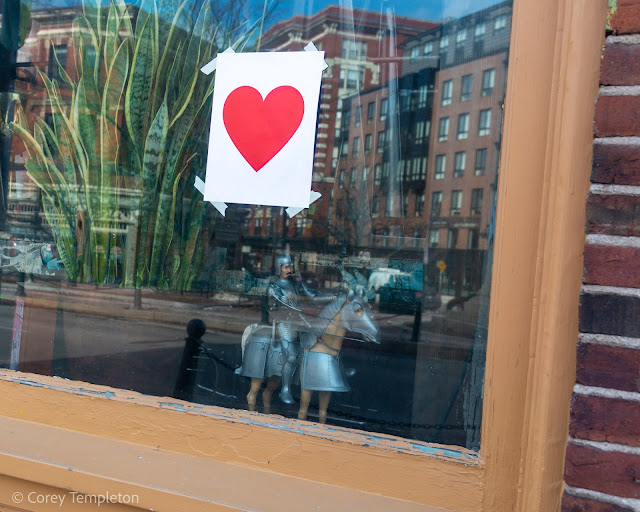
(404, 294)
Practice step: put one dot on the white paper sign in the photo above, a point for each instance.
(263, 126)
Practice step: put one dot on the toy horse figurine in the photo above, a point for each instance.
(322, 368)
(267, 354)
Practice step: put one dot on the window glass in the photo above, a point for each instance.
(463, 126)
(110, 257)
(443, 129)
(447, 92)
(466, 87)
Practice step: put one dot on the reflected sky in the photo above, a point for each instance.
(434, 10)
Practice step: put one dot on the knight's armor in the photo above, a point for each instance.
(285, 310)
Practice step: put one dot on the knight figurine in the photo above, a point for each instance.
(284, 306)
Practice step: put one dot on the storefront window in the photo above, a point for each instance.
(109, 254)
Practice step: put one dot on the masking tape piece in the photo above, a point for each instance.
(312, 48)
(209, 68)
(293, 211)
(221, 207)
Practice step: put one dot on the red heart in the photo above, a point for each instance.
(261, 128)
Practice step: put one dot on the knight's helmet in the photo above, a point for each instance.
(283, 258)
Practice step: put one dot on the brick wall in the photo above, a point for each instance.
(602, 470)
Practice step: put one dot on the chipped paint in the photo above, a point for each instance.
(333, 433)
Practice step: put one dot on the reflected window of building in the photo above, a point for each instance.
(484, 123)
(473, 238)
(419, 131)
(377, 174)
(419, 206)
(358, 120)
(375, 206)
(415, 53)
(367, 143)
(480, 30)
(58, 51)
(405, 205)
(365, 174)
(441, 163)
(352, 177)
(416, 240)
(480, 166)
(443, 129)
(405, 100)
(444, 48)
(436, 204)
(344, 117)
(476, 201)
(428, 48)
(381, 141)
(371, 111)
(341, 180)
(459, 162)
(456, 202)
(447, 92)
(466, 87)
(344, 148)
(351, 78)
(500, 22)
(384, 108)
(488, 81)
(463, 126)
(257, 226)
(434, 237)
(355, 149)
(301, 222)
(353, 50)
(461, 39)
(452, 238)
(423, 92)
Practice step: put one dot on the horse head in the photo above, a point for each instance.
(357, 316)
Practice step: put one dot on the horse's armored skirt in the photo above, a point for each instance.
(261, 358)
(322, 372)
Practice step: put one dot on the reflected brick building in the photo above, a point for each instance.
(363, 50)
(419, 155)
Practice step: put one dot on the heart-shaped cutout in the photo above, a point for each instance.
(259, 128)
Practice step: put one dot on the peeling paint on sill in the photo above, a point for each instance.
(330, 433)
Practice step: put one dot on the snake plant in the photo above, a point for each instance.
(127, 136)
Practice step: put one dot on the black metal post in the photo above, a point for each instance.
(186, 380)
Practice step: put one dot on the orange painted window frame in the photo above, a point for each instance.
(177, 456)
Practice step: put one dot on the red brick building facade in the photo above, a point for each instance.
(602, 470)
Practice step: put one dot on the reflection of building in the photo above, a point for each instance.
(362, 52)
(49, 39)
(418, 155)
(466, 125)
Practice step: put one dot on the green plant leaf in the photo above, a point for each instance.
(154, 154)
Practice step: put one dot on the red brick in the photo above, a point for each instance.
(620, 64)
(626, 19)
(617, 116)
(608, 367)
(614, 473)
(610, 313)
(613, 215)
(575, 504)
(611, 420)
(612, 265)
(616, 164)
